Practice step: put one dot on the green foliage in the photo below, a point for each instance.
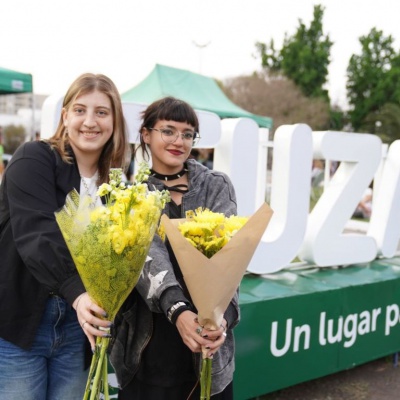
(13, 137)
(373, 81)
(337, 119)
(385, 122)
(271, 59)
(304, 57)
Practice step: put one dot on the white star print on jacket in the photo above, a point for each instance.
(155, 282)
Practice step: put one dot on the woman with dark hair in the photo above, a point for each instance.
(45, 311)
(157, 349)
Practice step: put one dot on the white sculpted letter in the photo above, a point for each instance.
(324, 243)
(384, 224)
(237, 155)
(290, 199)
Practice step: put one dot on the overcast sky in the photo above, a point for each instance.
(57, 40)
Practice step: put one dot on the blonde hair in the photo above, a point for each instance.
(116, 151)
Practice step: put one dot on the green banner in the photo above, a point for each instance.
(301, 325)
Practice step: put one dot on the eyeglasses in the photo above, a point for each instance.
(170, 135)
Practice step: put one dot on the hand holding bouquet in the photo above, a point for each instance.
(109, 246)
(213, 253)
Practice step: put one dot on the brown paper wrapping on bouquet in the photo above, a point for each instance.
(212, 282)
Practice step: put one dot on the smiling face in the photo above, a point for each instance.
(89, 121)
(168, 158)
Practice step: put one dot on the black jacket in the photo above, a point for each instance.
(34, 259)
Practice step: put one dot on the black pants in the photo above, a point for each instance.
(138, 390)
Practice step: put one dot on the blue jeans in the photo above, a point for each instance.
(54, 367)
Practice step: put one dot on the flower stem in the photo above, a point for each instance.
(208, 377)
(105, 378)
(95, 359)
(101, 347)
(205, 378)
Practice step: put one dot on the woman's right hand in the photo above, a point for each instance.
(87, 311)
(188, 327)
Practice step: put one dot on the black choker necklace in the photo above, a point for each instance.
(169, 177)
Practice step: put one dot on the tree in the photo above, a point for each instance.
(278, 98)
(338, 119)
(385, 123)
(271, 59)
(13, 137)
(373, 79)
(304, 57)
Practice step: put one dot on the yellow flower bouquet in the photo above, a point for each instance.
(109, 246)
(213, 252)
(209, 231)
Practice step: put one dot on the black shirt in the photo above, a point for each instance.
(166, 346)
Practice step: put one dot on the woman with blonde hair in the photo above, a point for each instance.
(45, 312)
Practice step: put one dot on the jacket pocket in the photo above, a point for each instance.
(124, 332)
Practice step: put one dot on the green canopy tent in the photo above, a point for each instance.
(200, 91)
(13, 82)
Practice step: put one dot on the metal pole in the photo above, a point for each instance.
(200, 47)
